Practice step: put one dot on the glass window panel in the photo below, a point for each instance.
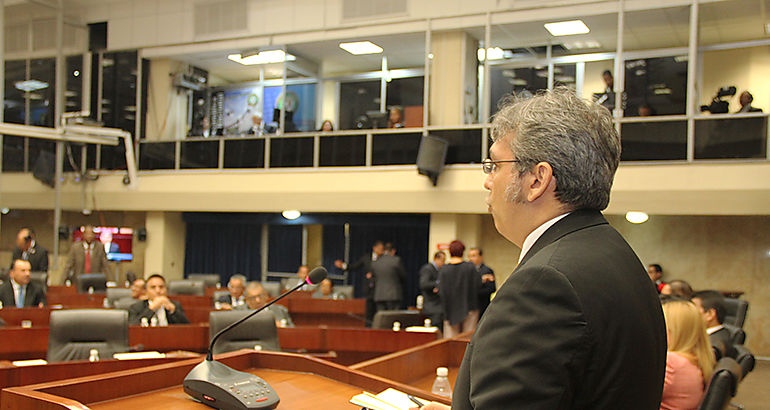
(246, 153)
(656, 86)
(113, 157)
(565, 75)
(464, 145)
(653, 141)
(199, 154)
(597, 86)
(91, 151)
(157, 155)
(731, 138)
(40, 147)
(291, 152)
(395, 149)
(73, 154)
(13, 153)
(118, 105)
(515, 81)
(15, 71)
(656, 28)
(407, 94)
(730, 74)
(356, 100)
(41, 102)
(74, 94)
(343, 150)
(732, 21)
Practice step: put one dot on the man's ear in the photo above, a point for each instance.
(539, 181)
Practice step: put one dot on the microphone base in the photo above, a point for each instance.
(221, 387)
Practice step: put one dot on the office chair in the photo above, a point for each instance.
(736, 311)
(272, 288)
(218, 294)
(73, 333)
(124, 303)
(115, 294)
(258, 330)
(41, 278)
(97, 281)
(737, 335)
(210, 280)
(723, 385)
(384, 319)
(346, 290)
(745, 359)
(186, 287)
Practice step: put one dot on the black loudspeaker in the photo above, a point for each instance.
(431, 157)
(64, 232)
(44, 168)
(97, 37)
(141, 234)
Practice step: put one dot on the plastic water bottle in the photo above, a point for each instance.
(396, 326)
(441, 385)
(144, 322)
(90, 290)
(67, 282)
(427, 323)
(420, 301)
(106, 303)
(153, 321)
(93, 355)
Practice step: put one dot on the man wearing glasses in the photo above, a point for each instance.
(554, 337)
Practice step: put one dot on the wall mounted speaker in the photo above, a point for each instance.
(431, 157)
(141, 234)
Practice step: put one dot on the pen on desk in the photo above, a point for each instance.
(414, 400)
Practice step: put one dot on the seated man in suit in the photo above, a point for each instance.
(712, 305)
(326, 291)
(302, 273)
(157, 306)
(257, 296)
(19, 291)
(138, 289)
(29, 250)
(236, 285)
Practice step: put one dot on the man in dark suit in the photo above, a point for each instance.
(19, 291)
(431, 302)
(158, 309)
(29, 250)
(86, 256)
(486, 278)
(389, 277)
(235, 286)
(712, 305)
(578, 325)
(364, 265)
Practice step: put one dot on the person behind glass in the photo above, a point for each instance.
(458, 288)
(486, 278)
(746, 99)
(158, 309)
(257, 125)
(29, 250)
(431, 302)
(395, 118)
(655, 272)
(645, 110)
(256, 296)
(609, 81)
(711, 305)
(689, 360)
(235, 286)
(326, 126)
(19, 291)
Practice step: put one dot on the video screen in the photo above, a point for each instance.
(117, 241)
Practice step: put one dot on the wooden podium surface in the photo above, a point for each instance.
(302, 382)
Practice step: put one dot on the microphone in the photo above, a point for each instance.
(217, 385)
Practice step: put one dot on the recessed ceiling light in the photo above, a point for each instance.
(291, 214)
(567, 28)
(30, 85)
(636, 217)
(361, 47)
(263, 57)
(494, 53)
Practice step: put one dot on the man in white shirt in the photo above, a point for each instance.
(157, 309)
(235, 286)
(19, 291)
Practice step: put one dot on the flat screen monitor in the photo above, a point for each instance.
(117, 241)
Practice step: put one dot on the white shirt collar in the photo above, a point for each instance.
(15, 286)
(714, 329)
(87, 245)
(535, 235)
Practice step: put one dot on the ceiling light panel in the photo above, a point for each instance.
(567, 28)
(361, 47)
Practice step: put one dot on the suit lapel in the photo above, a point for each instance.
(575, 221)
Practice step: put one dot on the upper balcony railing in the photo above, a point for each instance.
(660, 139)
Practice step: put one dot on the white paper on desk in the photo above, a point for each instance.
(139, 355)
(34, 362)
(399, 399)
(422, 329)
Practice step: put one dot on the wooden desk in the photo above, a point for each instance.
(350, 345)
(416, 366)
(307, 311)
(302, 382)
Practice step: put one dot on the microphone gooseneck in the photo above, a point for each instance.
(313, 278)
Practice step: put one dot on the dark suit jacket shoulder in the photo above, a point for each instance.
(569, 329)
(141, 309)
(389, 275)
(428, 282)
(724, 341)
(37, 256)
(34, 295)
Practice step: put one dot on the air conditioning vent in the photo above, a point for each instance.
(220, 17)
(373, 9)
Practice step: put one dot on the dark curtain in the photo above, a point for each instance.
(223, 248)
(410, 241)
(284, 249)
(333, 247)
